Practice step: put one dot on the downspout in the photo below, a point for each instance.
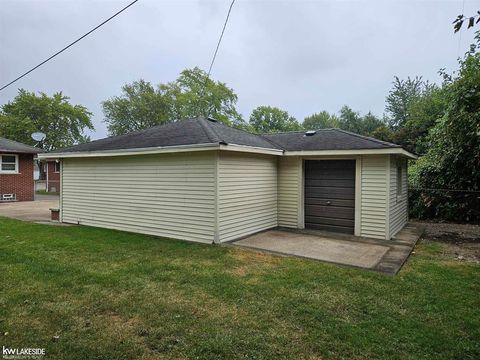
(216, 235)
(46, 162)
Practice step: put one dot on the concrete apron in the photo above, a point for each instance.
(377, 255)
(36, 211)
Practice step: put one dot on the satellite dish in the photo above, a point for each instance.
(38, 136)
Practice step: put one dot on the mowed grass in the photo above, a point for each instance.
(115, 295)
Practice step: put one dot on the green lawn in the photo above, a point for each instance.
(116, 295)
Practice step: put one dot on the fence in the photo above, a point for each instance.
(445, 204)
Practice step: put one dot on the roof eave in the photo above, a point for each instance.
(160, 150)
(396, 150)
(251, 149)
(10, 151)
(124, 152)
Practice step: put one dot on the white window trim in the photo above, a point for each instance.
(16, 171)
(55, 167)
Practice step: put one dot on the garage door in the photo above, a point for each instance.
(330, 195)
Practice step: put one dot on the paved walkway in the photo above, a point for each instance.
(38, 210)
(378, 255)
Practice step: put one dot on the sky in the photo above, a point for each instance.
(301, 56)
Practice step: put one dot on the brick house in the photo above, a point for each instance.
(16, 171)
(53, 176)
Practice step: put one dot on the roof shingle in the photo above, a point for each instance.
(327, 139)
(16, 147)
(198, 131)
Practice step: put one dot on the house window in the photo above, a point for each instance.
(9, 164)
(57, 166)
(399, 180)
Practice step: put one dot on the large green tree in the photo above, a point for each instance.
(400, 98)
(268, 119)
(142, 105)
(424, 112)
(63, 123)
(446, 180)
(321, 120)
(351, 120)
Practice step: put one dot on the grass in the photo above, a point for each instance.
(115, 295)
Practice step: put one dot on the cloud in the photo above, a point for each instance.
(303, 56)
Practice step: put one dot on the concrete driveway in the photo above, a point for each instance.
(37, 211)
(378, 255)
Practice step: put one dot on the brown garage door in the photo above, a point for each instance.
(330, 195)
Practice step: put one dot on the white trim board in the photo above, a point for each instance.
(386, 151)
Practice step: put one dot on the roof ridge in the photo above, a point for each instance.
(368, 138)
(208, 130)
(296, 132)
(246, 132)
(271, 141)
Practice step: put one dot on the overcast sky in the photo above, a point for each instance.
(302, 56)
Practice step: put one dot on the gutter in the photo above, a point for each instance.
(220, 146)
(159, 150)
(385, 151)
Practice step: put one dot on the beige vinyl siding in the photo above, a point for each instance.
(289, 191)
(171, 195)
(247, 194)
(374, 196)
(398, 204)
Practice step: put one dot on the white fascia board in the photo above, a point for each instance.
(251, 149)
(126, 152)
(160, 150)
(398, 151)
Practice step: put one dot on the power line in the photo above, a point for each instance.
(460, 35)
(69, 45)
(220, 39)
(202, 94)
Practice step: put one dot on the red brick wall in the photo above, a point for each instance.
(53, 183)
(22, 183)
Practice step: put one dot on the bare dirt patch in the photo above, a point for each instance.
(451, 233)
(460, 241)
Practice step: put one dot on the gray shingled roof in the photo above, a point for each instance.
(185, 132)
(16, 147)
(327, 139)
(208, 131)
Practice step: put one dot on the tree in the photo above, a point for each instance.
(447, 178)
(347, 120)
(142, 105)
(267, 119)
(350, 120)
(63, 123)
(458, 22)
(369, 123)
(321, 120)
(425, 111)
(399, 99)
(383, 132)
(194, 94)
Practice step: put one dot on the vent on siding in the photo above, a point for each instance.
(8, 197)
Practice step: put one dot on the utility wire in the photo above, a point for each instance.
(220, 39)
(69, 45)
(202, 95)
(460, 35)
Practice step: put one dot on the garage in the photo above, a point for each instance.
(330, 195)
